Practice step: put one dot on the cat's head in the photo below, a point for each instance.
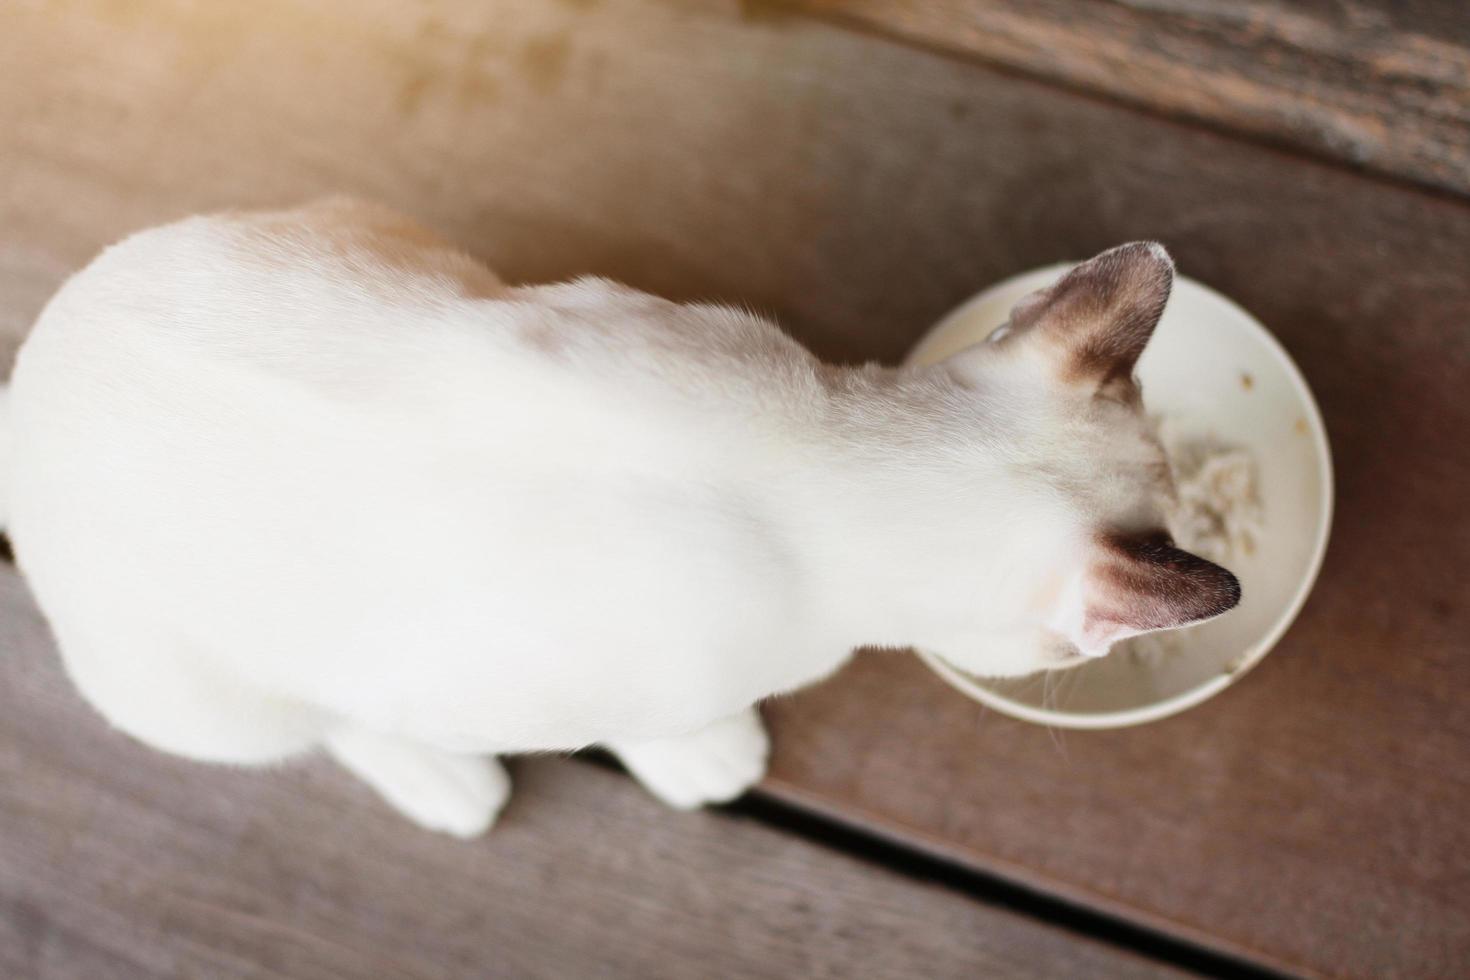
(1104, 568)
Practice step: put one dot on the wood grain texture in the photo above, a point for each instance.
(118, 862)
(1315, 817)
(1378, 84)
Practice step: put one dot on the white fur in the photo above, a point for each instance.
(315, 478)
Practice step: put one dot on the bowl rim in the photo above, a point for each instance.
(1254, 653)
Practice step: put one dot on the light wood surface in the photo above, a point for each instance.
(1381, 84)
(118, 862)
(1314, 817)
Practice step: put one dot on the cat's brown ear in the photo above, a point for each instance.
(1141, 583)
(1098, 318)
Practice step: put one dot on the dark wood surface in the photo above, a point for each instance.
(1380, 84)
(1316, 816)
(117, 862)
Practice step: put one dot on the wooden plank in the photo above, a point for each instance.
(119, 862)
(1312, 818)
(1377, 84)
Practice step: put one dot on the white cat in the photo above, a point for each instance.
(316, 478)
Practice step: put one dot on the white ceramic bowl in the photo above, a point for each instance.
(1214, 371)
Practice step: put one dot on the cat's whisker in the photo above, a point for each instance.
(1069, 690)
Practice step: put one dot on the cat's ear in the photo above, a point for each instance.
(1097, 319)
(1141, 583)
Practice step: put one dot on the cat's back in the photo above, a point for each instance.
(346, 307)
(343, 339)
(211, 397)
(273, 290)
(327, 433)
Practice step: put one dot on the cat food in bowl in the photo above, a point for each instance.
(1254, 477)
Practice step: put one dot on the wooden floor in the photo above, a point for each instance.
(1312, 820)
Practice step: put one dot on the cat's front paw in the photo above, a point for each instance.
(713, 765)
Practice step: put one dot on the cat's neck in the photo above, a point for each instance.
(917, 524)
